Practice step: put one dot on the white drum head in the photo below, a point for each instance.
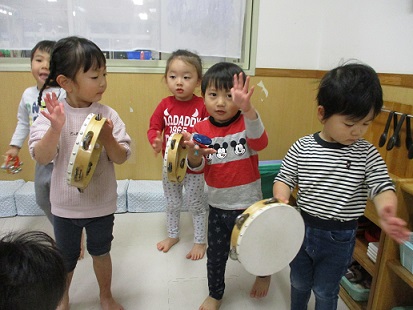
(270, 239)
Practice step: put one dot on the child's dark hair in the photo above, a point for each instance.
(43, 46)
(352, 89)
(221, 76)
(187, 57)
(32, 271)
(70, 55)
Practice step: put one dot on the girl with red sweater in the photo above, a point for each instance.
(174, 114)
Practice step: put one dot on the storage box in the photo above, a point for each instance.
(268, 171)
(355, 290)
(139, 54)
(406, 254)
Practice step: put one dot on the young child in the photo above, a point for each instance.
(336, 171)
(230, 167)
(79, 67)
(32, 271)
(174, 114)
(27, 114)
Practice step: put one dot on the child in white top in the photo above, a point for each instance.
(27, 113)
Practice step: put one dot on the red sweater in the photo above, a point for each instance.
(232, 173)
(171, 116)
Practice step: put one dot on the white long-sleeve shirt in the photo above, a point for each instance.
(28, 111)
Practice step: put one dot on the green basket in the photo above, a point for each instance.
(268, 171)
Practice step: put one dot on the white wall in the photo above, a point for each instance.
(319, 34)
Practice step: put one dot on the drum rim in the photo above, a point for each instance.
(238, 241)
(177, 174)
(77, 149)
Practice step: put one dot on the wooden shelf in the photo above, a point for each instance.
(350, 302)
(402, 272)
(407, 187)
(360, 255)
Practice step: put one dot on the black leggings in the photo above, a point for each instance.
(220, 225)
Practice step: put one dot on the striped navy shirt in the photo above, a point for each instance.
(334, 180)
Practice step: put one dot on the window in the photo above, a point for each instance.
(135, 35)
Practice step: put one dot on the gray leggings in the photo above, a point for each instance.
(42, 178)
(197, 205)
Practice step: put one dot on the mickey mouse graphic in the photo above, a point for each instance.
(221, 150)
(209, 156)
(239, 147)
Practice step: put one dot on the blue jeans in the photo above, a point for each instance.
(319, 265)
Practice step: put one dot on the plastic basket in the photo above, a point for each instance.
(406, 254)
(268, 171)
(356, 291)
(141, 54)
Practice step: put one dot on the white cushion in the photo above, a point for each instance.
(7, 200)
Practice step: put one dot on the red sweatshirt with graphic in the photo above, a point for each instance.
(232, 173)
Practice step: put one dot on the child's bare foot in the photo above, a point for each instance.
(197, 252)
(110, 304)
(260, 287)
(82, 246)
(210, 304)
(166, 244)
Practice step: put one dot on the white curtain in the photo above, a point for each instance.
(209, 27)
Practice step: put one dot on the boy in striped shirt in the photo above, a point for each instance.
(336, 171)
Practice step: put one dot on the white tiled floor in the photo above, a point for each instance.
(144, 278)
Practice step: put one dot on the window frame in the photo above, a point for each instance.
(158, 66)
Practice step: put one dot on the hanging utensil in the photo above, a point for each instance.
(395, 121)
(410, 153)
(393, 138)
(409, 140)
(383, 137)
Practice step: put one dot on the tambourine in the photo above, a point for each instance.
(86, 152)
(266, 237)
(201, 140)
(175, 158)
(12, 165)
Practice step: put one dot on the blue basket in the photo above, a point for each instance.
(355, 290)
(142, 55)
(406, 254)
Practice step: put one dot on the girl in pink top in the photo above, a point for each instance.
(79, 67)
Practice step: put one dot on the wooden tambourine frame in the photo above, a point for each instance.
(86, 152)
(175, 158)
(266, 237)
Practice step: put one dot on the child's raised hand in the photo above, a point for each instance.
(56, 110)
(240, 94)
(157, 143)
